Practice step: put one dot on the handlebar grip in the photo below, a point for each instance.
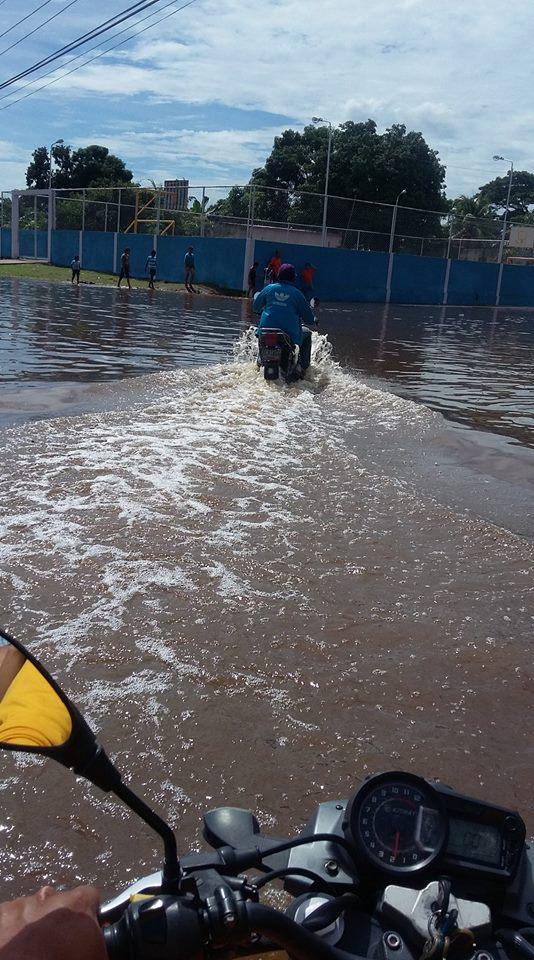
(156, 929)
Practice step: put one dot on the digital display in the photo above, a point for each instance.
(474, 841)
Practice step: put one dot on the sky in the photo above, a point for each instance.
(203, 94)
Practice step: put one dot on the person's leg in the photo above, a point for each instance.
(128, 280)
(72, 278)
(305, 349)
(77, 276)
(121, 275)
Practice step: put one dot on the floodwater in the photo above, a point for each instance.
(257, 595)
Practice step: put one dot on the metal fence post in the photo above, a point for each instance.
(35, 227)
(83, 209)
(202, 213)
(119, 212)
(106, 218)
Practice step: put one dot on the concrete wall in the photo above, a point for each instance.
(342, 275)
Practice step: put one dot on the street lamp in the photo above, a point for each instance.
(507, 208)
(56, 143)
(394, 220)
(325, 204)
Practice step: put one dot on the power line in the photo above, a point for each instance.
(38, 27)
(98, 55)
(27, 17)
(79, 56)
(119, 18)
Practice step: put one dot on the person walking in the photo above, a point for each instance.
(252, 279)
(125, 268)
(306, 280)
(151, 267)
(75, 266)
(189, 266)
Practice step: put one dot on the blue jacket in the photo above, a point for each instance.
(285, 307)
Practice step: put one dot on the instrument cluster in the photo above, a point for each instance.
(400, 825)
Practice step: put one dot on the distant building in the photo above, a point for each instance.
(175, 194)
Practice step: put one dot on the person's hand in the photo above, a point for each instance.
(52, 926)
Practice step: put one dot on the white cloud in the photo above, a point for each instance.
(458, 72)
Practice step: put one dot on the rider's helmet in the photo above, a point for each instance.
(287, 273)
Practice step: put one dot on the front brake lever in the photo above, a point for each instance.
(113, 909)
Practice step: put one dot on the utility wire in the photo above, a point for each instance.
(2, 3)
(98, 55)
(27, 17)
(115, 21)
(79, 56)
(38, 27)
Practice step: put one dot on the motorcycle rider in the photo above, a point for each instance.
(52, 925)
(283, 306)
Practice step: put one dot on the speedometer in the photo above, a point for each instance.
(397, 823)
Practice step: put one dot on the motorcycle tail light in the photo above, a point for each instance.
(270, 339)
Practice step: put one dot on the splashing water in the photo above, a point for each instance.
(254, 607)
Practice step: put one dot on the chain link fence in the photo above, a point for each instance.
(283, 216)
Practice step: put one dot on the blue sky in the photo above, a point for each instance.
(203, 94)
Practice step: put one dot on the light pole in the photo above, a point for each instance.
(56, 143)
(507, 208)
(325, 204)
(394, 220)
(391, 239)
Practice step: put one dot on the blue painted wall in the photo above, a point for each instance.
(5, 247)
(473, 283)
(97, 251)
(65, 245)
(218, 260)
(341, 274)
(517, 288)
(28, 246)
(417, 279)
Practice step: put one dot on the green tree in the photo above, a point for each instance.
(92, 166)
(365, 165)
(521, 198)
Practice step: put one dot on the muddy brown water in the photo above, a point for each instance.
(256, 595)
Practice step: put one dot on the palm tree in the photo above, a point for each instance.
(472, 218)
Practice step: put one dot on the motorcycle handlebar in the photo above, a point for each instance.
(175, 927)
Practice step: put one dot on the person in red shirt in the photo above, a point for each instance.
(274, 265)
(306, 280)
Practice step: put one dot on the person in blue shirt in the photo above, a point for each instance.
(283, 306)
(151, 267)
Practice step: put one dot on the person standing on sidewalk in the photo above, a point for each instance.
(125, 268)
(189, 266)
(252, 279)
(75, 266)
(151, 267)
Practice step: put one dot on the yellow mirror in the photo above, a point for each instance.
(32, 714)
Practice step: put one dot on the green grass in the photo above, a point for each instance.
(43, 271)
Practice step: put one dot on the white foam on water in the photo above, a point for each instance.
(120, 507)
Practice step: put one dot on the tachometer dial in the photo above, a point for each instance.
(397, 823)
